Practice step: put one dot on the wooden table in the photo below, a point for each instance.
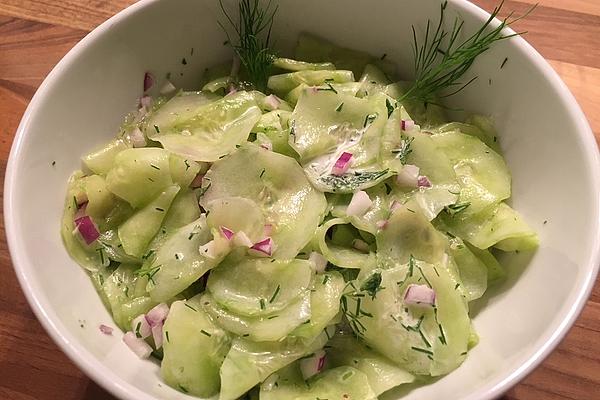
(34, 35)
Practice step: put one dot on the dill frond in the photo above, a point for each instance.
(432, 74)
(253, 34)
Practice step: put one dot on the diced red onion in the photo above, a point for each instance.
(395, 205)
(312, 365)
(231, 89)
(157, 315)
(267, 145)
(137, 138)
(318, 261)
(408, 176)
(342, 164)
(107, 330)
(360, 245)
(359, 204)
(146, 102)
(228, 233)
(272, 102)
(197, 182)
(240, 239)
(167, 88)
(264, 248)
(141, 327)
(423, 181)
(157, 335)
(148, 81)
(137, 345)
(86, 228)
(407, 124)
(419, 295)
(381, 224)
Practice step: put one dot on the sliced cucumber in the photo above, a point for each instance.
(139, 175)
(137, 232)
(258, 287)
(382, 373)
(194, 349)
(212, 131)
(423, 339)
(338, 383)
(278, 184)
(249, 363)
(101, 161)
(177, 263)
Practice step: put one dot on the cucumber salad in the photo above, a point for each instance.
(307, 228)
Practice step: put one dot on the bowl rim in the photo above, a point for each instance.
(120, 388)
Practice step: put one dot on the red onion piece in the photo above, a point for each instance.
(107, 330)
(148, 81)
(157, 315)
(137, 138)
(231, 89)
(407, 124)
(360, 245)
(381, 224)
(146, 102)
(342, 164)
(197, 182)
(167, 88)
(419, 295)
(395, 205)
(359, 204)
(157, 335)
(272, 102)
(240, 239)
(319, 262)
(141, 327)
(311, 366)
(267, 146)
(137, 345)
(228, 233)
(408, 176)
(86, 228)
(264, 248)
(423, 181)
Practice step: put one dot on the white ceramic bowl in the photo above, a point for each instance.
(547, 141)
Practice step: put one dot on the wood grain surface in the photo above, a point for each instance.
(34, 35)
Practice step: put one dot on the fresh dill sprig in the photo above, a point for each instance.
(432, 74)
(253, 31)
